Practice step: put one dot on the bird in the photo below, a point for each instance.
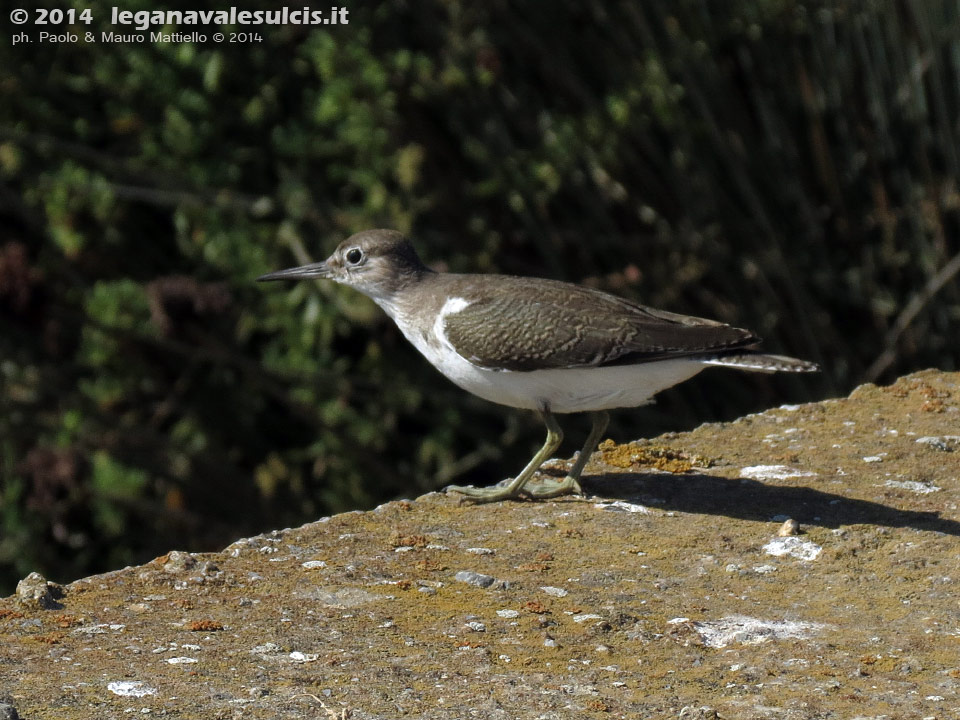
(536, 344)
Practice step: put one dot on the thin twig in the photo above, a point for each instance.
(343, 715)
(909, 313)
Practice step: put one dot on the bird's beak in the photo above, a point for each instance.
(313, 270)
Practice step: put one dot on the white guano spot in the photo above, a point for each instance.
(98, 629)
(302, 657)
(793, 547)
(623, 506)
(913, 486)
(130, 688)
(774, 472)
(743, 630)
(266, 648)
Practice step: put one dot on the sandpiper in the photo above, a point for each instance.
(537, 344)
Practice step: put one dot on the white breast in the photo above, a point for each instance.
(561, 390)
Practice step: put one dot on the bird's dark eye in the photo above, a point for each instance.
(354, 256)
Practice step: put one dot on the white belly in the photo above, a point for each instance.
(561, 390)
(569, 390)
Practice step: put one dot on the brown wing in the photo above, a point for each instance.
(521, 324)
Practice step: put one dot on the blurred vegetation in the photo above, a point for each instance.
(781, 165)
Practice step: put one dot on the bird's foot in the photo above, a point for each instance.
(552, 488)
(510, 490)
(501, 491)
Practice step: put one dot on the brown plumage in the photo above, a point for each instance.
(525, 324)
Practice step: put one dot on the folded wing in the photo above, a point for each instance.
(524, 325)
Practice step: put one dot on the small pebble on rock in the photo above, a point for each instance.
(480, 551)
(181, 660)
(789, 527)
(698, 713)
(36, 591)
(302, 657)
(943, 443)
(475, 578)
(178, 561)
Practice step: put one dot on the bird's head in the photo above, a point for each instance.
(375, 262)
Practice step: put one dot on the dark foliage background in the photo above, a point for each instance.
(783, 165)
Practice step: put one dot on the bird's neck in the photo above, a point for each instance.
(395, 296)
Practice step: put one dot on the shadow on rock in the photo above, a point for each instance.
(752, 500)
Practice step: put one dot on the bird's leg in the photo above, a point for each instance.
(515, 486)
(571, 483)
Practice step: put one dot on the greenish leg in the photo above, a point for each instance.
(515, 486)
(571, 483)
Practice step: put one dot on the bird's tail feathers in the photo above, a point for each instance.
(761, 362)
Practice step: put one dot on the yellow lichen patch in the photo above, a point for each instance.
(204, 626)
(880, 663)
(53, 638)
(429, 566)
(657, 456)
(787, 457)
(598, 705)
(535, 606)
(935, 405)
(933, 397)
(417, 541)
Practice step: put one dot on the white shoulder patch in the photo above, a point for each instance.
(453, 305)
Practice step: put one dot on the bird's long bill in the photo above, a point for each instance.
(313, 270)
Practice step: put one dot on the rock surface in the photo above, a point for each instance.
(670, 592)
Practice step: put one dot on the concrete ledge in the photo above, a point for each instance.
(679, 590)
